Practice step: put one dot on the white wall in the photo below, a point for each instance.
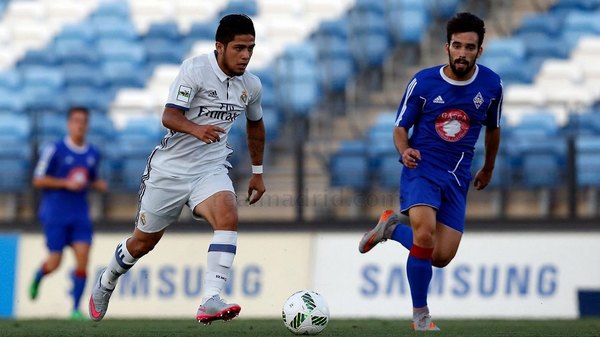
(517, 275)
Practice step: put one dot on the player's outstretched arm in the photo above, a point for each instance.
(256, 146)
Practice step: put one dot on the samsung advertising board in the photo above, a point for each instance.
(496, 275)
(167, 282)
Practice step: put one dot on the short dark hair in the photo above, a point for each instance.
(232, 25)
(73, 109)
(465, 22)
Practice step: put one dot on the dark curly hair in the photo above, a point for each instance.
(232, 25)
(465, 22)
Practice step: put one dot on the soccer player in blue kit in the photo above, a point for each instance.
(446, 106)
(65, 172)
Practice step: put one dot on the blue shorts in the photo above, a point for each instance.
(441, 190)
(61, 233)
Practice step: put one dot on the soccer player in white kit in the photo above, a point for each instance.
(190, 167)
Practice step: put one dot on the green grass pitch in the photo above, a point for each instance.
(273, 327)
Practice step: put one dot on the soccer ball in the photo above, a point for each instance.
(305, 313)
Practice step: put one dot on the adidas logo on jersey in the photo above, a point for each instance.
(213, 94)
(439, 100)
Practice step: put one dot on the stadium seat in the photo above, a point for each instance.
(349, 166)
(76, 52)
(588, 160)
(118, 50)
(407, 26)
(8, 103)
(248, 7)
(443, 9)
(113, 9)
(579, 5)
(547, 24)
(50, 78)
(39, 57)
(10, 79)
(160, 51)
(390, 168)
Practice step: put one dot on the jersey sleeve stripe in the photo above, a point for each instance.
(175, 106)
(409, 90)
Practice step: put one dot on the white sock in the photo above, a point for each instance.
(221, 252)
(118, 265)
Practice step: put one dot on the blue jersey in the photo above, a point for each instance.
(447, 116)
(63, 160)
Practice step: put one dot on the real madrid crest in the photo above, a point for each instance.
(244, 97)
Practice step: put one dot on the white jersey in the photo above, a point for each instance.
(208, 96)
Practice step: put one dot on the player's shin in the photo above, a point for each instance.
(221, 253)
(119, 264)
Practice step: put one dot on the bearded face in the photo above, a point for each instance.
(463, 51)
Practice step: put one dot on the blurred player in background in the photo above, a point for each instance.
(65, 172)
(190, 167)
(446, 106)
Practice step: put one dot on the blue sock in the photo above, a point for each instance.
(79, 278)
(419, 272)
(404, 235)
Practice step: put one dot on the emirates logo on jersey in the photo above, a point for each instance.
(452, 125)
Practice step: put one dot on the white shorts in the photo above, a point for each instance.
(162, 197)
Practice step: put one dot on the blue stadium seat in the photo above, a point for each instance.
(588, 160)
(161, 51)
(541, 170)
(8, 103)
(81, 75)
(389, 170)
(113, 9)
(87, 96)
(76, 52)
(15, 174)
(10, 79)
(297, 79)
(407, 26)
(368, 36)
(584, 123)
(39, 57)
(349, 166)
(117, 50)
(547, 24)
(42, 100)
(536, 124)
(82, 32)
(200, 31)
(50, 78)
(541, 45)
(124, 74)
(512, 47)
(444, 9)
(248, 7)
(114, 28)
(164, 30)
(335, 72)
(570, 5)
(49, 126)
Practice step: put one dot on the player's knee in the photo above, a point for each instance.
(227, 221)
(424, 238)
